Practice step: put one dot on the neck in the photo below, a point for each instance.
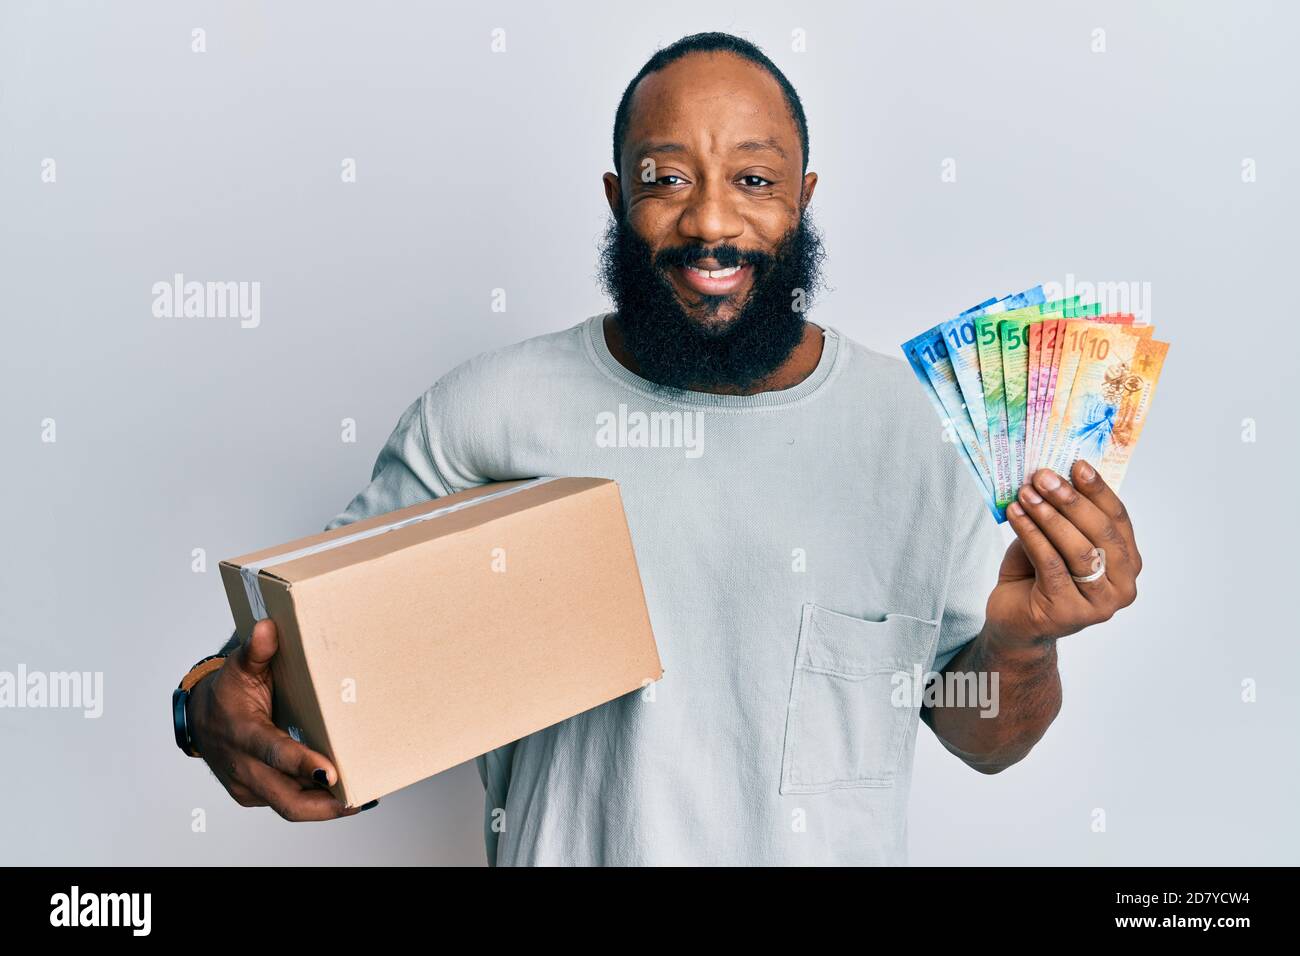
(798, 366)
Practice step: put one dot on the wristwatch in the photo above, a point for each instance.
(181, 696)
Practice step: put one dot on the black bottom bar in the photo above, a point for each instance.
(320, 908)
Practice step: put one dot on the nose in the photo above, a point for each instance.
(710, 218)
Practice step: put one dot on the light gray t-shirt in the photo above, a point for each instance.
(798, 550)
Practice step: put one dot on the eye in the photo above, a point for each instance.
(761, 181)
(666, 176)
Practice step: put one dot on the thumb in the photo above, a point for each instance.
(254, 655)
(1016, 565)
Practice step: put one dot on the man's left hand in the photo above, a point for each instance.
(1057, 527)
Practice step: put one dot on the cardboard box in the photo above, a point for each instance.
(416, 640)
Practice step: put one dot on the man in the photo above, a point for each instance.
(814, 541)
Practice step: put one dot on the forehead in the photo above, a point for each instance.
(710, 101)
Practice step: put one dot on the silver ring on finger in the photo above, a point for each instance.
(1098, 568)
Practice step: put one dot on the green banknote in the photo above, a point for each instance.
(988, 343)
(1013, 337)
(963, 355)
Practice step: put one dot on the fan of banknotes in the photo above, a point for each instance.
(1021, 383)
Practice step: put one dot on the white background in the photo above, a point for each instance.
(478, 171)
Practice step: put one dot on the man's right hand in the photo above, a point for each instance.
(257, 762)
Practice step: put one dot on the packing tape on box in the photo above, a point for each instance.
(249, 571)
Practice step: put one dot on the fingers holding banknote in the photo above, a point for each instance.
(1092, 509)
(1080, 541)
(1118, 528)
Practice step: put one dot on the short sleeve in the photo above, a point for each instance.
(404, 473)
(976, 556)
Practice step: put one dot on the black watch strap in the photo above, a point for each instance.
(181, 697)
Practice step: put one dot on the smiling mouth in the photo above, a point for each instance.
(714, 281)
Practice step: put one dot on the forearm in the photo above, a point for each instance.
(1025, 697)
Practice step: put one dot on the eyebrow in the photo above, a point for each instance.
(749, 145)
(760, 145)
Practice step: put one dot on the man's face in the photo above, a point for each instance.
(710, 249)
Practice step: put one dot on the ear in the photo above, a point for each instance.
(806, 194)
(613, 193)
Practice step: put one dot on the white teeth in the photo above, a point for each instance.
(716, 273)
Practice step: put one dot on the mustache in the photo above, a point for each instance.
(726, 255)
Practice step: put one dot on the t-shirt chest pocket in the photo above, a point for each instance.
(849, 717)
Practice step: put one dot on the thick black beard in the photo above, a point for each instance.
(673, 348)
